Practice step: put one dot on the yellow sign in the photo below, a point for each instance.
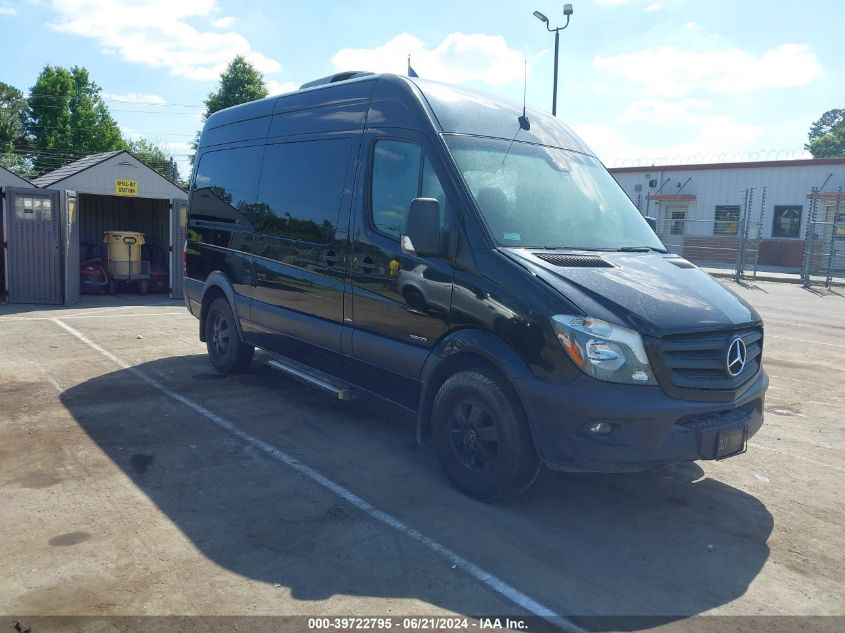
(126, 187)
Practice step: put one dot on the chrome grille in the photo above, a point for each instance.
(697, 361)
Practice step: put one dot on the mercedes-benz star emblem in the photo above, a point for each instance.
(736, 356)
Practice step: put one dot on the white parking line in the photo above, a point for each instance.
(496, 584)
(803, 340)
(801, 457)
(47, 375)
(94, 316)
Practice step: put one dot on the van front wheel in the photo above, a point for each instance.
(482, 438)
(226, 351)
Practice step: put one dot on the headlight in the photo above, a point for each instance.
(604, 350)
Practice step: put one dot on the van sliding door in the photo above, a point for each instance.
(302, 218)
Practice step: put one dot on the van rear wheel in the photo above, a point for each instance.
(482, 438)
(226, 351)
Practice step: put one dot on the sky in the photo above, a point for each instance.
(641, 81)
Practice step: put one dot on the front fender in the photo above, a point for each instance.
(447, 355)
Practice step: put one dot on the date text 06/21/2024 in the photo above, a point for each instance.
(410, 623)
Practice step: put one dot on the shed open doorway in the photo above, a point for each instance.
(149, 216)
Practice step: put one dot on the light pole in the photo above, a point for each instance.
(567, 11)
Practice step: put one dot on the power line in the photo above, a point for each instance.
(108, 100)
(65, 107)
(96, 126)
(56, 156)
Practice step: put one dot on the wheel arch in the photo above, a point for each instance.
(462, 350)
(218, 285)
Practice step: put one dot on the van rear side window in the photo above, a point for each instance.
(226, 185)
(301, 189)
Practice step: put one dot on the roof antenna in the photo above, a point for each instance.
(524, 123)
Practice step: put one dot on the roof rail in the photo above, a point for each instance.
(348, 74)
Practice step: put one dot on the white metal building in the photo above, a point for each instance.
(47, 221)
(709, 201)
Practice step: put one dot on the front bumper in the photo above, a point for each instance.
(650, 428)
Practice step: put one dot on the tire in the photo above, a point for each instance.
(482, 438)
(226, 351)
(144, 287)
(415, 299)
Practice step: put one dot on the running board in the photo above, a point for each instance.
(313, 377)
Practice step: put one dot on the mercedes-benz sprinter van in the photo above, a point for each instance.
(472, 262)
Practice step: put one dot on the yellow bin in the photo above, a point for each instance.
(118, 244)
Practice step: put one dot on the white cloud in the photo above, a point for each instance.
(696, 133)
(654, 6)
(280, 87)
(224, 22)
(156, 33)
(657, 111)
(136, 98)
(8, 11)
(460, 57)
(612, 1)
(672, 71)
(714, 136)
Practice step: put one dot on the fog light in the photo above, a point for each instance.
(601, 428)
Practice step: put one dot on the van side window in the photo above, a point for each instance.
(400, 173)
(301, 189)
(226, 184)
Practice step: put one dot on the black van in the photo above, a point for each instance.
(469, 261)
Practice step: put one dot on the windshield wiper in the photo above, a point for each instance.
(640, 249)
(569, 248)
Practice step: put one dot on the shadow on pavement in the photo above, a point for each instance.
(660, 543)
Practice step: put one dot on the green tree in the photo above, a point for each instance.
(154, 155)
(12, 137)
(18, 164)
(12, 115)
(827, 135)
(68, 118)
(240, 83)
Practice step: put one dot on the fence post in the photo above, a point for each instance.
(828, 282)
(742, 233)
(808, 238)
(759, 242)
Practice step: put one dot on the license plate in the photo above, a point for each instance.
(731, 442)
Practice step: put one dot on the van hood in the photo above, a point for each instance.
(643, 291)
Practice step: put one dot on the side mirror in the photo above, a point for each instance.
(652, 222)
(422, 231)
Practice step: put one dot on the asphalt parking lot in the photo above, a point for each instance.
(135, 481)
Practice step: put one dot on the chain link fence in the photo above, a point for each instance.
(824, 244)
(732, 243)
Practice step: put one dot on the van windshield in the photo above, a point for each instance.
(533, 196)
